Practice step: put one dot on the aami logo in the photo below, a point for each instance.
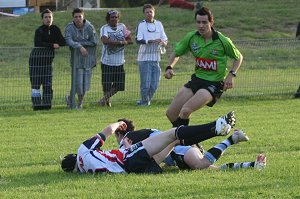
(206, 64)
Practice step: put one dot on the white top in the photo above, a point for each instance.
(91, 159)
(113, 56)
(150, 31)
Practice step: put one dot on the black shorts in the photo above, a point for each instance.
(113, 77)
(214, 88)
(137, 160)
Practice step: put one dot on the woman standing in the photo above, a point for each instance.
(114, 36)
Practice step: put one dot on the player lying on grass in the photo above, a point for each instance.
(139, 157)
(190, 156)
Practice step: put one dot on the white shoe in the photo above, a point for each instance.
(260, 162)
(239, 136)
(225, 123)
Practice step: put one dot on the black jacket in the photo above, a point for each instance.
(44, 39)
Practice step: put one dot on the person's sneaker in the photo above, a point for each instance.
(260, 162)
(101, 102)
(230, 118)
(239, 136)
(79, 107)
(225, 123)
(143, 103)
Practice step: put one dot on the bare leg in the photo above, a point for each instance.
(180, 99)
(161, 156)
(106, 98)
(200, 99)
(195, 160)
(157, 143)
(80, 99)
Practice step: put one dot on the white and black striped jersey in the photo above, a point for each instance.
(92, 159)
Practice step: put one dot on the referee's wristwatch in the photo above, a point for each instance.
(232, 73)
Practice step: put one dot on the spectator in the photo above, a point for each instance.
(151, 36)
(114, 36)
(82, 39)
(183, 4)
(211, 50)
(297, 94)
(47, 38)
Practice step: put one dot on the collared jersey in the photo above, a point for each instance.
(92, 159)
(210, 57)
(149, 31)
(113, 55)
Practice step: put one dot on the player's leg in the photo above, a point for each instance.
(187, 157)
(215, 153)
(220, 127)
(177, 103)
(197, 101)
(157, 143)
(259, 163)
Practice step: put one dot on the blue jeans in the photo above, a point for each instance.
(149, 78)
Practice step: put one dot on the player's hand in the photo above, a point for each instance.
(169, 74)
(228, 83)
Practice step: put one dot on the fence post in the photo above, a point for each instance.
(73, 85)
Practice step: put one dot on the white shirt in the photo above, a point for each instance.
(150, 31)
(91, 159)
(113, 56)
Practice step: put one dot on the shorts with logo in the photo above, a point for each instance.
(137, 160)
(214, 88)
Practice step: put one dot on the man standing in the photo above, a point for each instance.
(81, 37)
(47, 38)
(152, 38)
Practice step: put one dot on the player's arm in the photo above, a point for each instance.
(169, 70)
(110, 129)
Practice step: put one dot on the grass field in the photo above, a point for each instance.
(32, 142)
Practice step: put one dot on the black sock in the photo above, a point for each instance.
(195, 134)
(178, 122)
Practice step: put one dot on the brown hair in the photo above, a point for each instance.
(46, 11)
(77, 10)
(205, 11)
(130, 126)
(148, 6)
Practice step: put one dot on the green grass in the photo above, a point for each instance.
(237, 19)
(33, 141)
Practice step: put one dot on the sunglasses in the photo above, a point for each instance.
(112, 12)
(151, 27)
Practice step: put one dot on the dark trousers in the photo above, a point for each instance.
(41, 76)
